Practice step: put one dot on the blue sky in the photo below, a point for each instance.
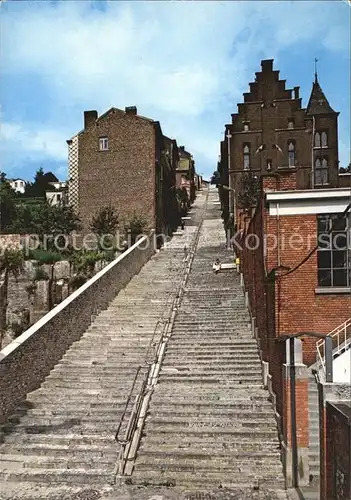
(185, 64)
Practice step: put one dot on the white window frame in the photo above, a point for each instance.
(103, 143)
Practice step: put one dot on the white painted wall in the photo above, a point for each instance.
(342, 368)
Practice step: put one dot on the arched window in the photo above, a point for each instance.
(317, 140)
(291, 150)
(246, 156)
(321, 172)
(324, 139)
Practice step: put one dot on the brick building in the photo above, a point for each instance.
(271, 132)
(185, 174)
(123, 159)
(296, 266)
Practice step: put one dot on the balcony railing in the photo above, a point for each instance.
(341, 341)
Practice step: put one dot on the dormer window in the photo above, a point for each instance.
(103, 144)
(291, 153)
(246, 126)
(291, 123)
(246, 156)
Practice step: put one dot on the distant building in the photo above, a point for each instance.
(122, 159)
(59, 194)
(18, 185)
(185, 174)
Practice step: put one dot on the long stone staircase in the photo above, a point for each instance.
(61, 438)
(210, 428)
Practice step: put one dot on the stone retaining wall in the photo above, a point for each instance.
(26, 362)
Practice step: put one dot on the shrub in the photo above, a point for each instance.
(84, 262)
(77, 281)
(135, 226)
(40, 274)
(17, 328)
(44, 256)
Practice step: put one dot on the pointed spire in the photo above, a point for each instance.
(315, 71)
(318, 103)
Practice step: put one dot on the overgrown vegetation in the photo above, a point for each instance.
(250, 191)
(136, 225)
(11, 263)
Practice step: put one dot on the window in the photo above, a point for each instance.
(291, 152)
(321, 171)
(317, 140)
(246, 126)
(321, 139)
(103, 143)
(334, 251)
(269, 164)
(246, 156)
(291, 123)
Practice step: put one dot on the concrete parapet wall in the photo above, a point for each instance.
(26, 361)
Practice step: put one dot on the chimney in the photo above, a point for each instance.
(297, 92)
(182, 148)
(131, 110)
(267, 65)
(89, 118)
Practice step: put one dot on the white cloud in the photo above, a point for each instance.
(174, 60)
(30, 139)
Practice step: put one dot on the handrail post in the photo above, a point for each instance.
(328, 354)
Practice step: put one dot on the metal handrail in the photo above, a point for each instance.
(134, 417)
(341, 336)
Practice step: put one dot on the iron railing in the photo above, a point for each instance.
(148, 372)
(341, 340)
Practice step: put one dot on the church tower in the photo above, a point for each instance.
(323, 121)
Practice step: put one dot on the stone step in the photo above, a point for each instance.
(211, 433)
(229, 379)
(87, 439)
(16, 462)
(9, 490)
(245, 482)
(213, 370)
(245, 447)
(49, 476)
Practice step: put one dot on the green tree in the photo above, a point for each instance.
(11, 263)
(46, 220)
(104, 224)
(135, 226)
(41, 184)
(183, 200)
(7, 204)
(250, 191)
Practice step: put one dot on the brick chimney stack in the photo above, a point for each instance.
(131, 110)
(89, 118)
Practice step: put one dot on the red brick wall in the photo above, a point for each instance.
(337, 456)
(302, 426)
(298, 307)
(262, 300)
